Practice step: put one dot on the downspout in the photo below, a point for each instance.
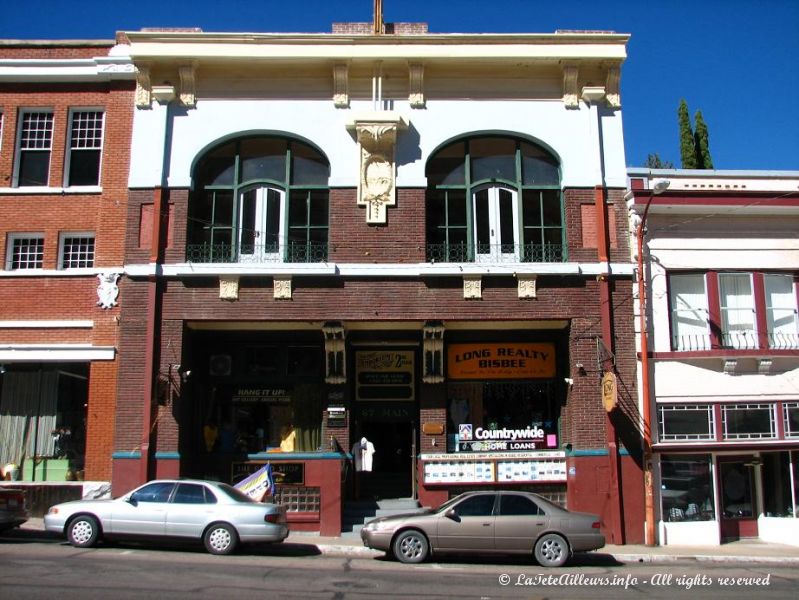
(164, 95)
(593, 95)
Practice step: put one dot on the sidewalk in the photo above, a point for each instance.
(748, 551)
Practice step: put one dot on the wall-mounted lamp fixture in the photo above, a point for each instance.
(580, 369)
(2, 369)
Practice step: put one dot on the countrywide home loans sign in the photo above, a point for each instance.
(501, 361)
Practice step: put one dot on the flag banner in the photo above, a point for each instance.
(258, 485)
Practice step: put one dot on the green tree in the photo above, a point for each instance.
(687, 143)
(703, 159)
(653, 161)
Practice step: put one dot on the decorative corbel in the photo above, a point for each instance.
(341, 85)
(527, 286)
(613, 97)
(282, 287)
(188, 91)
(335, 358)
(229, 287)
(433, 352)
(377, 137)
(416, 85)
(143, 87)
(571, 98)
(472, 287)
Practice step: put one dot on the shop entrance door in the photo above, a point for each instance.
(392, 462)
(738, 500)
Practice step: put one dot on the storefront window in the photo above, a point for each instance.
(777, 484)
(686, 488)
(499, 416)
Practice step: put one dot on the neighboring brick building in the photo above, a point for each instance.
(65, 123)
(722, 260)
(415, 238)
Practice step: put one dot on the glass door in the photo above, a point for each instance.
(738, 500)
(496, 223)
(261, 225)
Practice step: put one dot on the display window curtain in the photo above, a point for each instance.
(307, 404)
(737, 311)
(27, 415)
(783, 331)
(689, 312)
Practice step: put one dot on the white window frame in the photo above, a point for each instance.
(680, 437)
(726, 408)
(18, 147)
(782, 340)
(786, 406)
(69, 149)
(496, 244)
(747, 339)
(62, 238)
(262, 246)
(699, 313)
(12, 237)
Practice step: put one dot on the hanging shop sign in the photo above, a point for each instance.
(384, 374)
(501, 361)
(479, 439)
(610, 397)
(261, 395)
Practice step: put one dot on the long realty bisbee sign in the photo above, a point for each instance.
(501, 361)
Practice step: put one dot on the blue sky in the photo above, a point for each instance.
(735, 60)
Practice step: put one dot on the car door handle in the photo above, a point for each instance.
(486, 524)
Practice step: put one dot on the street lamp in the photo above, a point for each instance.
(649, 499)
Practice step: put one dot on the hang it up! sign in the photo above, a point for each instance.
(501, 361)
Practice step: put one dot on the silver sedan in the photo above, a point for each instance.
(215, 513)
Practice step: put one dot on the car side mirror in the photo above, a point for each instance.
(132, 501)
(451, 514)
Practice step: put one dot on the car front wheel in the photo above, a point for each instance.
(411, 547)
(83, 532)
(551, 550)
(220, 538)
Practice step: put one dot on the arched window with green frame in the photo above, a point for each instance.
(494, 198)
(259, 199)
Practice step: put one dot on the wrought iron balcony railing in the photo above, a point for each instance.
(501, 253)
(737, 340)
(264, 253)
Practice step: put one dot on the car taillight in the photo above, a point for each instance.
(272, 518)
(595, 525)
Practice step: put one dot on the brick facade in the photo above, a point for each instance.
(63, 296)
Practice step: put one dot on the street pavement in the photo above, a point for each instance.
(745, 551)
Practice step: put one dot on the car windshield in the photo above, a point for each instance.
(234, 494)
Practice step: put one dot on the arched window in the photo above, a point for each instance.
(259, 199)
(494, 199)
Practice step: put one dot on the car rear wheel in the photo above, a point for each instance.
(220, 538)
(83, 532)
(411, 547)
(551, 550)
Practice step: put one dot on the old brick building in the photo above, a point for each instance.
(414, 238)
(66, 112)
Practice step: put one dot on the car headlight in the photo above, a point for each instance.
(53, 510)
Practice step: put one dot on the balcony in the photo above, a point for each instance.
(311, 252)
(495, 253)
(734, 340)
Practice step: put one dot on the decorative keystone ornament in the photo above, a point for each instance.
(107, 290)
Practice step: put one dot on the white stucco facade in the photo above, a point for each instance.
(710, 225)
